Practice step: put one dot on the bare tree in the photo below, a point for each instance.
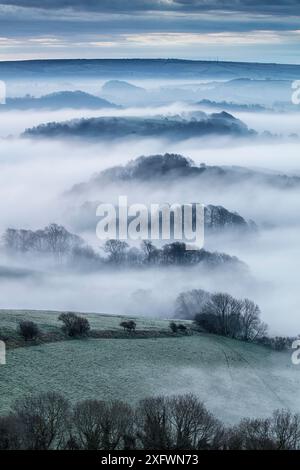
(227, 310)
(42, 420)
(101, 425)
(117, 425)
(286, 430)
(252, 327)
(74, 325)
(88, 417)
(10, 436)
(153, 423)
(193, 427)
(54, 240)
(116, 250)
(252, 434)
(150, 251)
(60, 241)
(189, 303)
(280, 432)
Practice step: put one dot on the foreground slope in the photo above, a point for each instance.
(233, 378)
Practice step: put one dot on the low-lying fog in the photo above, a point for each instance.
(34, 176)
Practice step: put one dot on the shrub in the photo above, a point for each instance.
(182, 328)
(129, 325)
(278, 343)
(73, 325)
(173, 327)
(29, 330)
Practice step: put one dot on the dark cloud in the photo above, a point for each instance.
(288, 7)
(74, 23)
(117, 6)
(291, 7)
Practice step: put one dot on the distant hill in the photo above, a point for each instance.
(175, 128)
(216, 219)
(144, 68)
(248, 90)
(155, 169)
(62, 99)
(120, 85)
(232, 107)
(125, 93)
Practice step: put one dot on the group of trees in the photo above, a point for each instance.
(57, 242)
(228, 316)
(222, 314)
(49, 421)
(189, 303)
(53, 240)
(175, 253)
(278, 343)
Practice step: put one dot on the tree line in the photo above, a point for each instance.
(222, 314)
(181, 422)
(56, 242)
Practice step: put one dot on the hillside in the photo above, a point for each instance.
(126, 68)
(175, 128)
(233, 378)
(59, 100)
(159, 169)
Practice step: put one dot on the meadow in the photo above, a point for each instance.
(233, 378)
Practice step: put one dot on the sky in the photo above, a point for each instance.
(236, 30)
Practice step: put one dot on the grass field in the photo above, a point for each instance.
(48, 320)
(233, 378)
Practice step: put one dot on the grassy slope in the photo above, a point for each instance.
(234, 379)
(47, 320)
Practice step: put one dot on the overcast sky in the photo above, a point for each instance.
(241, 30)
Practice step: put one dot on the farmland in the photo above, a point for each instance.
(233, 378)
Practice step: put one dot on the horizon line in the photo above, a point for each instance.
(149, 59)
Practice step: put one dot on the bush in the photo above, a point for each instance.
(182, 328)
(177, 327)
(173, 327)
(128, 325)
(29, 330)
(73, 325)
(278, 343)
